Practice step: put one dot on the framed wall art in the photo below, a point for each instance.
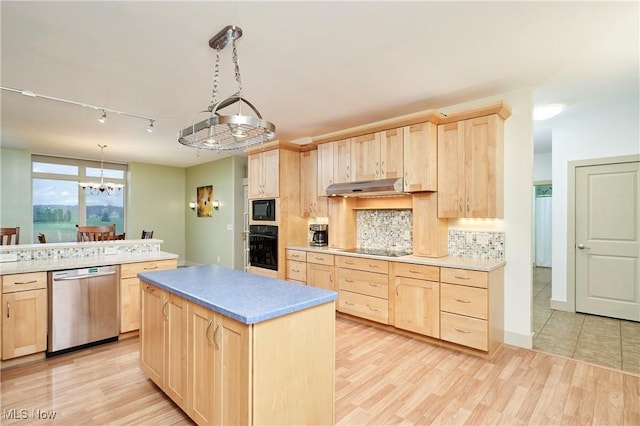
(204, 196)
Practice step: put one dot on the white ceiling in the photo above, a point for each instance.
(309, 67)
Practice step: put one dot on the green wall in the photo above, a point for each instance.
(217, 239)
(15, 192)
(155, 201)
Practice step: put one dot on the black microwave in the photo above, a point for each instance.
(263, 210)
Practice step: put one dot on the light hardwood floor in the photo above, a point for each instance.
(381, 379)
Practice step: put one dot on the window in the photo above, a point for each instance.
(59, 204)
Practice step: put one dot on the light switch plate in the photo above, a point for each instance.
(229, 227)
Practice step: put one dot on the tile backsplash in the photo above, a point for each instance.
(385, 229)
(392, 229)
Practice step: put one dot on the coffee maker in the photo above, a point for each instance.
(320, 235)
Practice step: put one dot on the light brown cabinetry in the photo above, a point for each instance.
(421, 157)
(417, 298)
(470, 172)
(320, 271)
(377, 155)
(218, 368)
(297, 266)
(363, 287)
(311, 205)
(430, 233)
(24, 311)
(325, 167)
(342, 222)
(130, 290)
(471, 308)
(163, 341)
(334, 164)
(264, 174)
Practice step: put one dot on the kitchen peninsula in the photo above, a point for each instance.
(229, 347)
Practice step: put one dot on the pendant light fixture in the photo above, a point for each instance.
(227, 132)
(95, 188)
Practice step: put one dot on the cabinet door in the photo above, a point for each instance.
(176, 345)
(24, 326)
(342, 161)
(254, 165)
(325, 167)
(231, 340)
(152, 333)
(271, 173)
(391, 154)
(201, 365)
(321, 276)
(417, 306)
(308, 183)
(484, 167)
(430, 233)
(420, 157)
(365, 157)
(129, 304)
(451, 173)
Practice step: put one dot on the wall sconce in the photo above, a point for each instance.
(192, 205)
(216, 204)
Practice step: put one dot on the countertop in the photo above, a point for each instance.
(245, 297)
(470, 263)
(7, 268)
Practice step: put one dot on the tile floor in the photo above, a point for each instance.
(599, 340)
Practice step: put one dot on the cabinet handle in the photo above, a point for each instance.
(373, 266)
(215, 332)
(382, 168)
(348, 303)
(26, 282)
(468, 210)
(414, 272)
(318, 258)
(295, 255)
(348, 280)
(166, 318)
(462, 301)
(151, 267)
(295, 270)
(8, 310)
(149, 289)
(206, 332)
(397, 284)
(348, 262)
(330, 276)
(459, 330)
(377, 168)
(462, 278)
(373, 285)
(373, 309)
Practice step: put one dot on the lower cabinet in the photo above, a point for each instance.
(130, 290)
(163, 341)
(223, 372)
(320, 271)
(24, 312)
(363, 293)
(417, 298)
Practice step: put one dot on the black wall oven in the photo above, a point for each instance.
(263, 246)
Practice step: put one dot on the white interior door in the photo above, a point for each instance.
(607, 243)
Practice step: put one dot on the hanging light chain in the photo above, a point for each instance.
(216, 80)
(237, 68)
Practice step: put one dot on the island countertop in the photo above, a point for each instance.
(245, 297)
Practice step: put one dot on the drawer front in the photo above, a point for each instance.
(469, 301)
(368, 283)
(471, 332)
(298, 255)
(464, 277)
(296, 270)
(320, 258)
(359, 305)
(131, 270)
(363, 264)
(420, 272)
(22, 282)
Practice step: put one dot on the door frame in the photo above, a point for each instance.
(570, 304)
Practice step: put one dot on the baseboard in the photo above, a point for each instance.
(519, 340)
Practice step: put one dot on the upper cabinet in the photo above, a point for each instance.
(377, 155)
(334, 164)
(421, 157)
(310, 204)
(325, 167)
(264, 174)
(470, 172)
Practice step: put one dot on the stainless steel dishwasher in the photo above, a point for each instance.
(83, 308)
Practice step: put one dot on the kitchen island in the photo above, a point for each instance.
(230, 347)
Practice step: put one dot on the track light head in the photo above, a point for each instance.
(103, 117)
(150, 128)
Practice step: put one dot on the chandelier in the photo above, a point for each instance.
(95, 188)
(227, 132)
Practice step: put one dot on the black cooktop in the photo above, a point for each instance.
(379, 252)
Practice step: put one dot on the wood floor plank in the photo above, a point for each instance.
(381, 379)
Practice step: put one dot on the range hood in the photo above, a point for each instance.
(368, 188)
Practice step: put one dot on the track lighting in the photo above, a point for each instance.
(105, 110)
